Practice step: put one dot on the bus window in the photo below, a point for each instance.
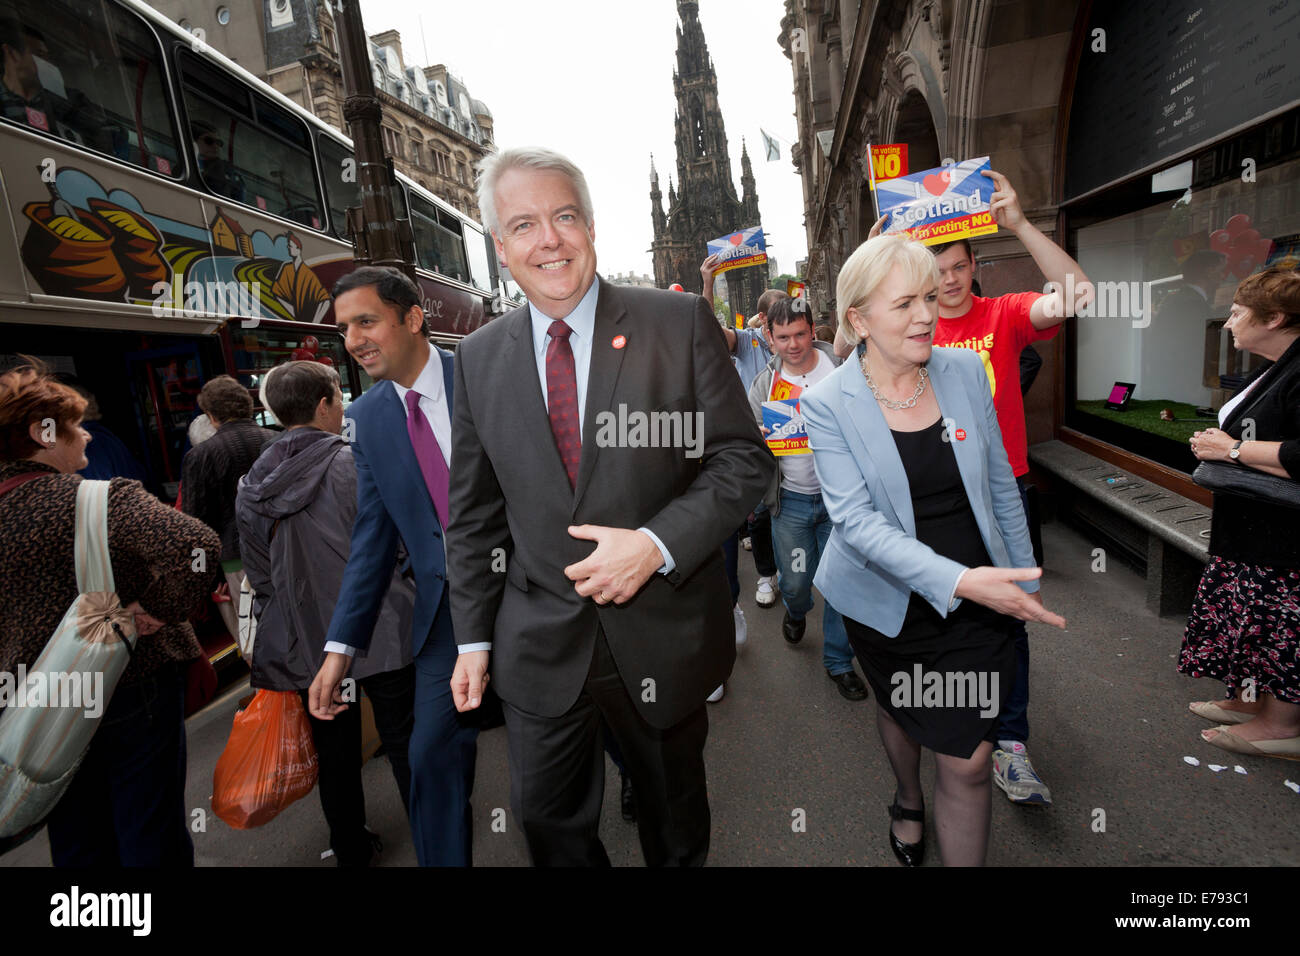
(249, 149)
(437, 246)
(339, 169)
(259, 349)
(476, 245)
(88, 72)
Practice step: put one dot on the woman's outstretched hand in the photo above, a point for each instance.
(996, 588)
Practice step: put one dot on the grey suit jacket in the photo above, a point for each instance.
(510, 499)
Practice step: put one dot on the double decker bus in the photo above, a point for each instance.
(172, 218)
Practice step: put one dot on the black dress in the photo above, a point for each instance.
(944, 680)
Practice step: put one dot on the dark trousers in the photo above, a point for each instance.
(126, 805)
(760, 537)
(557, 776)
(1013, 721)
(338, 751)
(444, 747)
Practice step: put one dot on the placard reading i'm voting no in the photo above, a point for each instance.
(939, 205)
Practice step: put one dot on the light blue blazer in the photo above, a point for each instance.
(873, 562)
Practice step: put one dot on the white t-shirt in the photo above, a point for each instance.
(797, 472)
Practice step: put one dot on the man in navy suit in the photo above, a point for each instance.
(401, 441)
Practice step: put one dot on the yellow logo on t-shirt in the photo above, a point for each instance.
(984, 347)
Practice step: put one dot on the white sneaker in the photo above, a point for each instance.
(742, 632)
(765, 596)
(717, 694)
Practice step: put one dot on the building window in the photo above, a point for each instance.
(417, 156)
(1166, 260)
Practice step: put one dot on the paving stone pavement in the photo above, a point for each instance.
(1109, 731)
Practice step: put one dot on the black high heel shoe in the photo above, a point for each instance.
(909, 854)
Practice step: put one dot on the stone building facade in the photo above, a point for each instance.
(952, 79)
(433, 129)
(702, 204)
(1158, 143)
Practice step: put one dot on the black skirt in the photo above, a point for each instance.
(944, 681)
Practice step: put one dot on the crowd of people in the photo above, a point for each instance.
(471, 555)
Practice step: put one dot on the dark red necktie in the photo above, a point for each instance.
(562, 398)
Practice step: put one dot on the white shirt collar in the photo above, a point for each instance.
(582, 319)
(428, 384)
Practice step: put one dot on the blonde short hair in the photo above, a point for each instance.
(869, 266)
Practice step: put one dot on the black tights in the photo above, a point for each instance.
(963, 795)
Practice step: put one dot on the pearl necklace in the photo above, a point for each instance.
(922, 375)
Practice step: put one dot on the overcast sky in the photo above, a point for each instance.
(593, 79)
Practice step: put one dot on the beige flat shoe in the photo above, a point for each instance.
(1212, 711)
(1225, 739)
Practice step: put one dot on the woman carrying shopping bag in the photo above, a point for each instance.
(125, 806)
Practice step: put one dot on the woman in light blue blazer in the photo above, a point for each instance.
(929, 557)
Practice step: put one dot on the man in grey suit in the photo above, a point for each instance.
(606, 416)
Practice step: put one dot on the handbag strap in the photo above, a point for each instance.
(94, 567)
(12, 483)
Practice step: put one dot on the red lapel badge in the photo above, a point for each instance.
(619, 341)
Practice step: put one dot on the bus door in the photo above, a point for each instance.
(165, 387)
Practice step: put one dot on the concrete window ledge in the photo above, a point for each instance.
(1155, 526)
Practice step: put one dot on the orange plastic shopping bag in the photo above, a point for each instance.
(269, 761)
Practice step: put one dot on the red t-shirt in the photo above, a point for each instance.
(999, 329)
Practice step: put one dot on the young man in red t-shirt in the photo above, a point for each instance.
(998, 329)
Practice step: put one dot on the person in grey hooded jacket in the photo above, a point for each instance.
(295, 509)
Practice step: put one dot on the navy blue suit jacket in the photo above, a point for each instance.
(392, 501)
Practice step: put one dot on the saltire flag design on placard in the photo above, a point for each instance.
(748, 247)
(939, 205)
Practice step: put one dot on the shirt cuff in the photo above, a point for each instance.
(669, 563)
(953, 600)
(471, 648)
(334, 647)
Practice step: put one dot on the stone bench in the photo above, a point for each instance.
(1128, 508)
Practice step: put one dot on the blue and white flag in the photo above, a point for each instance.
(748, 247)
(939, 205)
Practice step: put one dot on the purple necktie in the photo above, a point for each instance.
(562, 398)
(432, 465)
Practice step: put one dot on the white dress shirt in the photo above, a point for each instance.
(582, 320)
(433, 402)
